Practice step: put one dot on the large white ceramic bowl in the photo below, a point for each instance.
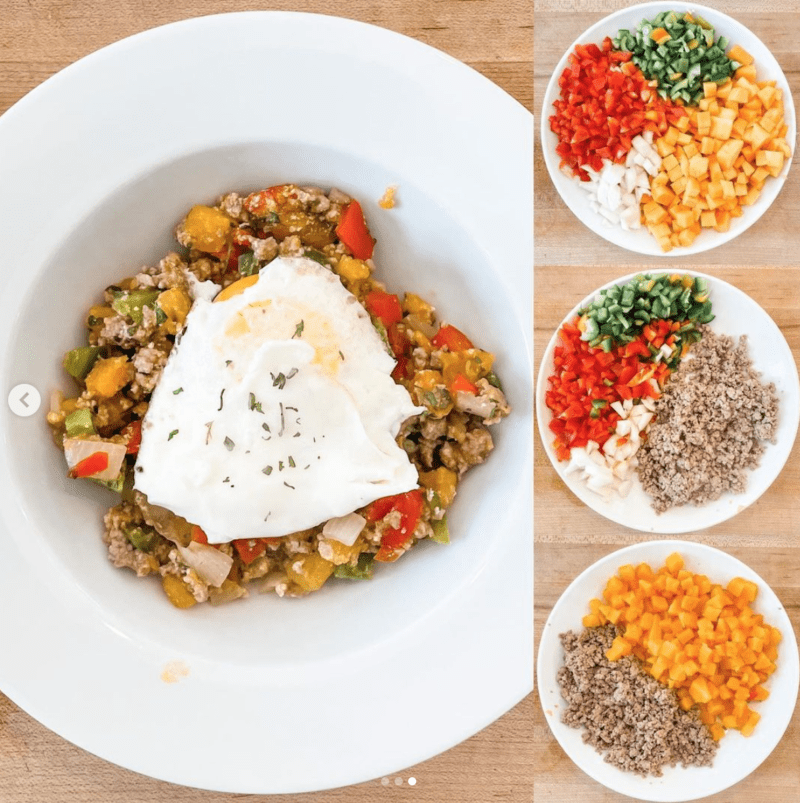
(577, 199)
(737, 756)
(737, 315)
(99, 164)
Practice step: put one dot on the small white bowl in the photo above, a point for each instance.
(577, 199)
(737, 314)
(737, 756)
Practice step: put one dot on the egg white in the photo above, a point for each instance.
(276, 411)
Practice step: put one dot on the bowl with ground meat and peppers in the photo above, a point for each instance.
(668, 128)
(119, 428)
(668, 402)
(254, 691)
(680, 713)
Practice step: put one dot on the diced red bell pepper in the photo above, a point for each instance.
(461, 383)
(453, 338)
(259, 203)
(398, 341)
(401, 370)
(133, 432)
(384, 306)
(249, 549)
(353, 232)
(198, 534)
(93, 464)
(409, 505)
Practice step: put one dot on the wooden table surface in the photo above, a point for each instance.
(570, 262)
(36, 40)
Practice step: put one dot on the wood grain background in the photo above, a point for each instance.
(38, 38)
(570, 262)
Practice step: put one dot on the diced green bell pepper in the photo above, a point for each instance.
(142, 537)
(133, 303)
(361, 571)
(441, 533)
(79, 423)
(79, 362)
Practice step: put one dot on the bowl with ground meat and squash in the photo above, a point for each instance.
(111, 191)
(668, 402)
(661, 717)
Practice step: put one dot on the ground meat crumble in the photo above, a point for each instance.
(711, 422)
(634, 721)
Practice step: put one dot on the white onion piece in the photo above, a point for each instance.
(211, 565)
(56, 397)
(77, 449)
(419, 325)
(344, 529)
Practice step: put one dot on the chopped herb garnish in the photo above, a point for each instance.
(208, 431)
(291, 461)
(288, 377)
(93, 321)
(172, 434)
(229, 444)
(298, 330)
(221, 394)
(341, 355)
(272, 218)
(283, 423)
(227, 479)
(296, 435)
(161, 316)
(280, 465)
(228, 362)
(278, 381)
(176, 392)
(288, 486)
(255, 405)
(266, 470)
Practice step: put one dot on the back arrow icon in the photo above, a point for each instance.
(23, 400)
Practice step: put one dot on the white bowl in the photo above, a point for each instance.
(577, 199)
(361, 679)
(737, 314)
(737, 756)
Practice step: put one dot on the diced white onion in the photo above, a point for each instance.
(77, 449)
(211, 565)
(344, 529)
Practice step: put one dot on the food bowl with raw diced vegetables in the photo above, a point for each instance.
(668, 402)
(668, 128)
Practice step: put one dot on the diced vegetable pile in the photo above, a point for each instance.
(719, 131)
(621, 348)
(702, 639)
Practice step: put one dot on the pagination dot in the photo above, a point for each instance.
(412, 781)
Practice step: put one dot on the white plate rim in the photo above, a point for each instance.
(412, 60)
(630, 240)
(632, 785)
(665, 523)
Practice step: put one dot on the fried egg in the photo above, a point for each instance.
(276, 411)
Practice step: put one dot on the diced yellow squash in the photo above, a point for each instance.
(109, 376)
(738, 53)
(310, 571)
(208, 229)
